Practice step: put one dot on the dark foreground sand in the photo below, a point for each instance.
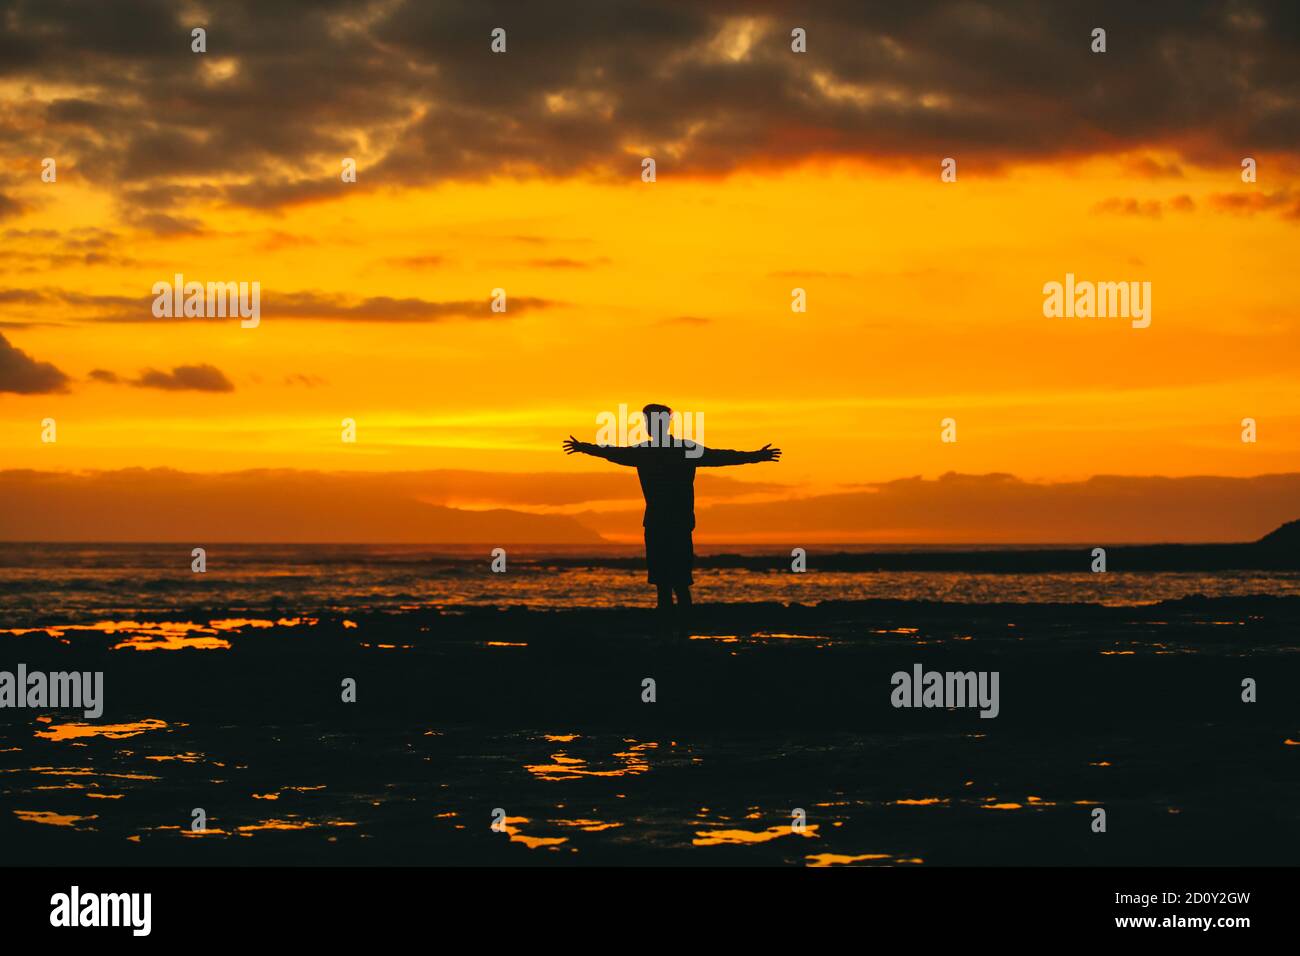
(765, 710)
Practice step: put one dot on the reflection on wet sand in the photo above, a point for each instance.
(292, 825)
(164, 635)
(631, 761)
(724, 837)
(510, 826)
(762, 637)
(838, 859)
(590, 826)
(111, 731)
(172, 642)
(290, 789)
(392, 787)
(82, 772)
(248, 829)
(1030, 802)
(51, 818)
(582, 765)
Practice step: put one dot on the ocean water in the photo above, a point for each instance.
(52, 583)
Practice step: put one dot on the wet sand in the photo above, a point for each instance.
(764, 710)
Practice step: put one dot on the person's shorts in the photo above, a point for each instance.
(669, 555)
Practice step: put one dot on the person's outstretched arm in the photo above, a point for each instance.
(717, 457)
(619, 455)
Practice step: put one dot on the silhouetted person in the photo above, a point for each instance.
(666, 467)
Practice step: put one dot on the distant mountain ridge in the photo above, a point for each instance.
(1287, 536)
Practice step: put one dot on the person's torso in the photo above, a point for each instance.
(667, 478)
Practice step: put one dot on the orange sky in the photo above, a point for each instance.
(924, 303)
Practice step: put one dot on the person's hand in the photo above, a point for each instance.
(768, 453)
(572, 445)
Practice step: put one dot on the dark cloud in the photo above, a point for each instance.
(279, 239)
(317, 305)
(1251, 203)
(186, 378)
(141, 504)
(421, 506)
(302, 378)
(1150, 168)
(75, 112)
(38, 250)
(10, 207)
(1149, 208)
(21, 373)
(1101, 511)
(23, 296)
(290, 305)
(105, 308)
(22, 261)
(162, 224)
(412, 92)
(553, 489)
(104, 375)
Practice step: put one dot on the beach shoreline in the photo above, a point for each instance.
(764, 710)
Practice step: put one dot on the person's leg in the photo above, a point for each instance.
(656, 574)
(684, 580)
(665, 596)
(683, 592)
(664, 612)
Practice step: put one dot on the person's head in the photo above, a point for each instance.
(657, 420)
